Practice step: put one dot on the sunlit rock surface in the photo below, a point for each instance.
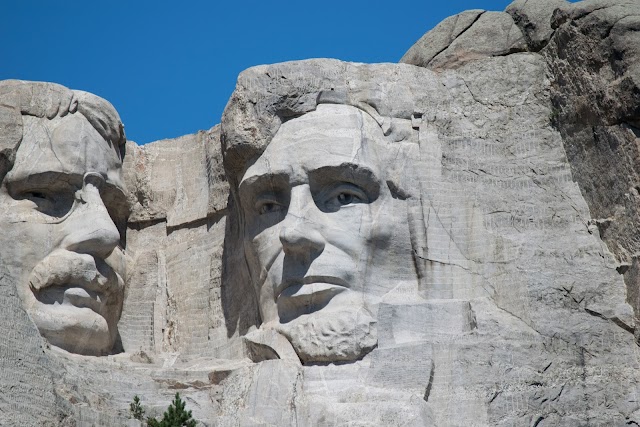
(448, 241)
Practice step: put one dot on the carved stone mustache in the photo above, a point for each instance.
(65, 268)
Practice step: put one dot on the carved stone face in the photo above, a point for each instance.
(315, 206)
(59, 206)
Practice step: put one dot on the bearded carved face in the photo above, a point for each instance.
(59, 206)
(318, 216)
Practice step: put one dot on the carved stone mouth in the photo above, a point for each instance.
(71, 295)
(298, 287)
(305, 298)
(75, 281)
(72, 270)
(308, 290)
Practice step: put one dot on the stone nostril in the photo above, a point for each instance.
(95, 235)
(302, 240)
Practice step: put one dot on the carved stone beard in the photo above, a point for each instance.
(332, 336)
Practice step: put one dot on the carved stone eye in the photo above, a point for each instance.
(346, 198)
(36, 195)
(268, 208)
(43, 201)
(339, 195)
(51, 203)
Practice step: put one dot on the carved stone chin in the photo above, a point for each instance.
(342, 336)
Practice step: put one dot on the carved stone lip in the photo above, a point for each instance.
(81, 271)
(80, 297)
(311, 285)
(306, 299)
(74, 295)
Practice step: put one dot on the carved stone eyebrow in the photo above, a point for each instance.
(254, 184)
(61, 181)
(356, 174)
(53, 180)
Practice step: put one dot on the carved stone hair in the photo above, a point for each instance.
(257, 128)
(50, 100)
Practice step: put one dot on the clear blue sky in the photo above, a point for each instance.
(170, 67)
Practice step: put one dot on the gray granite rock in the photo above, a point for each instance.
(534, 19)
(439, 38)
(447, 244)
(180, 180)
(466, 37)
(63, 212)
(594, 59)
(178, 194)
(490, 210)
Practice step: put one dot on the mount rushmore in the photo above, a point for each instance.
(452, 240)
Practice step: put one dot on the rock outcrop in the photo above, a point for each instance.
(592, 51)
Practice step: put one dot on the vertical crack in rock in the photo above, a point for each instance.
(427, 391)
(453, 37)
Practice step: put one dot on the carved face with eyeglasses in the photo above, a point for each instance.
(318, 218)
(63, 213)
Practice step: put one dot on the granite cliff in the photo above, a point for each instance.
(451, 241)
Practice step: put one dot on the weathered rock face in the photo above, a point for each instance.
(596, 108)
(452, 243)
(466, 37)
(62, 210)
(176, 229)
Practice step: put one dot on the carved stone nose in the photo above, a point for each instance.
(301, 238)
(299, 232)
(89, 229)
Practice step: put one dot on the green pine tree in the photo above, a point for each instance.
(174, 416)
(136, 409)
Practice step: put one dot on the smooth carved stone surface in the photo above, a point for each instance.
(355, 244)
(311, 205)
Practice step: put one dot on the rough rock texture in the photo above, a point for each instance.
(452, 244)
(27, 382)
(592, 51)
(534, 19)
(178, 180)
(438, 39)
(176, 231)
(594, 57)
(468, 36)
(506, 256)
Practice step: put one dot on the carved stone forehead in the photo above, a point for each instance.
(329, 136)
(67, 145)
